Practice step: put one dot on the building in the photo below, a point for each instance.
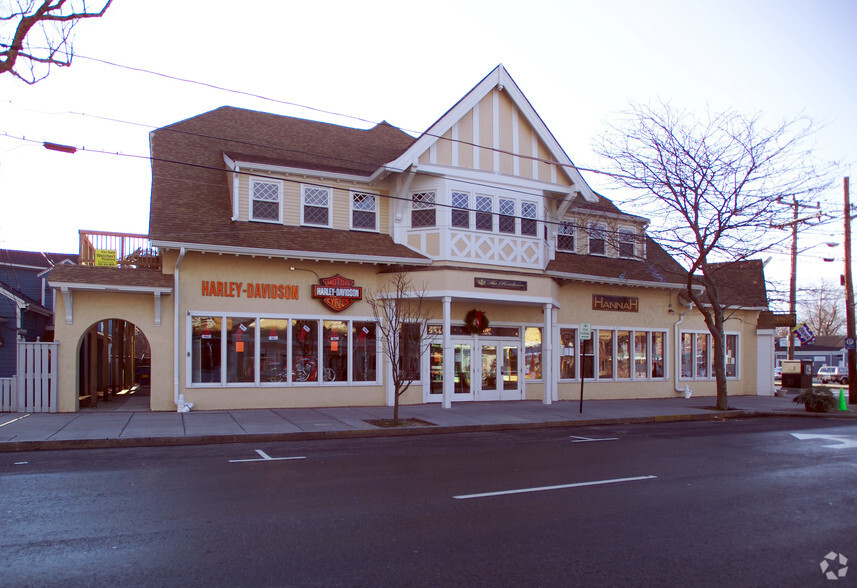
(825, 350)
(26, 301)
(266, 233)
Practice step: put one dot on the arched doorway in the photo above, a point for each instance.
(114, 367)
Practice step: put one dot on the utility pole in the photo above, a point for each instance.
(793, 281)
(849, 298)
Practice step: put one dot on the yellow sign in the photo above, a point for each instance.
(105, 258)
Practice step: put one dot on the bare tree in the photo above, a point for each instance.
(34, 35)
(402, 318)
(715, 185)
(823, 309)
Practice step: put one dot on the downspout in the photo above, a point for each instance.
(176, 299)
(686, 390)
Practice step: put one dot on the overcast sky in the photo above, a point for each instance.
(579, 64)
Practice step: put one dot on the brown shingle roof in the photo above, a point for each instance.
(191, 196)
(109, 277)
(34, 258)
(658, 267)
(741, 283)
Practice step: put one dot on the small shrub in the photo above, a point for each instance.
(815, 399)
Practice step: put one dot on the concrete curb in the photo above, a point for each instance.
(167, 441)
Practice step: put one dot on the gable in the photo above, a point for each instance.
(494, 129)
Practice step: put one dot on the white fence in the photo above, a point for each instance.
(34, 387)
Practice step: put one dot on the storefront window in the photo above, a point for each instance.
(702, 355)
(364, 354)
(304, 351)
(273, 350)
(605, 354)
(623, 354)
(657, 355)
(641, 355)
(436, 369)
(409, 351)
(731, 356)
(240, 349)
(587, 348)
(334, 364)
(567, 337)
(687, 355)
(205, 349)
(533, 340)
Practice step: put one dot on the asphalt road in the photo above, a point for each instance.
(719, 503)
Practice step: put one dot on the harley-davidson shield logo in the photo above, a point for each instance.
(337, 293)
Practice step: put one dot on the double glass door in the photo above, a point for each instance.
(499, 377)
(488, 370)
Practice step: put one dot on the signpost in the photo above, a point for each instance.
(585, 335)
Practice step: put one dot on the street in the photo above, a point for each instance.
(742, 502)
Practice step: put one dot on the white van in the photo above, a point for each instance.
(832, 373)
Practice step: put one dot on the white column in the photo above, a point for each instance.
(547, 356)
(555, 364)
(448, 357)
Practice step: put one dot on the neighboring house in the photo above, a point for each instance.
(26, 301)
(267, 231)
(825, 350)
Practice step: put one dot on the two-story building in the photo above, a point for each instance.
(270, 231)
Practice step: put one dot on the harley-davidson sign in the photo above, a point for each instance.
(337, 293)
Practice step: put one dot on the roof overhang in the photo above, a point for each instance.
(240, 167)
(284, 254)
(614, 281)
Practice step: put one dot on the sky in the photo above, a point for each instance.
(580, 64)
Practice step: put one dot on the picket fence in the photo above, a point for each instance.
(34, 387)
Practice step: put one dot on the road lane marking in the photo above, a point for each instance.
(588, 439)
(842, 442)
(265, 457)
(559, 487)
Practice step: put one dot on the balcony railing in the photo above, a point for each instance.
(124, 250)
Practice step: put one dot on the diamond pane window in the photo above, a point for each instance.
(528, 219)
(265, 200)
(460, 212)
(507, 216)
(565, 237)
(422, 209)
(484, 218)
(363, 211)
(316, 205)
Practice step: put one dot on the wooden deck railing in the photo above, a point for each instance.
(131, 251)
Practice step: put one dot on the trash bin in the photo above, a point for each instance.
(797, 373)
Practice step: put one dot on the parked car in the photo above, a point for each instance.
(778, 374)
(833, 373)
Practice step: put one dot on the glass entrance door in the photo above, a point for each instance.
(499, 376)
(462, 372)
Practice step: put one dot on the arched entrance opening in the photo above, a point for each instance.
(114, 367)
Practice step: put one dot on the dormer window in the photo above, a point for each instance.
(597, 240)
(507, 216)
(626, 238)
(266, 200)
(315, 206)
(363, 211)
(565, 237)
(461, 210)
(484, 213)
(529, 226)
(423, 213)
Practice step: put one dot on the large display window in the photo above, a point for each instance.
(281, 351)
(621, 354)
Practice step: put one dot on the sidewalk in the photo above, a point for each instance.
(118, 425)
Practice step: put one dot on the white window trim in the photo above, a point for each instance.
(573, 236)
(578, 358)
(632, 232)
(329, 191)
(469, 210)
(412, 209)
(534, 218)
(251, 191)
(599, 227)
(352, 210)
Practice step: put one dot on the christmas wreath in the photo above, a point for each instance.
(475, 321)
